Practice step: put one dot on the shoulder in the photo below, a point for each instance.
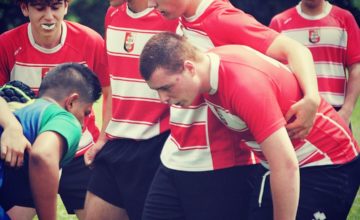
(235, 65)
(81, 30)
(55, 112)
(15, 34)
(45, 111)
(115, 11)
(241, 55)
(223, 9)
(285, 14)
(111, 10)
(338, 12)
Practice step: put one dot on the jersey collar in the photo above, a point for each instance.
(214, 72)
(138, 14)
(325, 12)
(46, 50)
(204, 4)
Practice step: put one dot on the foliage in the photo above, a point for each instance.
(91, 12)
(88, 12)
(263, 11)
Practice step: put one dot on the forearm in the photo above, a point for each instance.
(352, 90)
(304, 70)
(44, 180)
(300, 60)
(284, 174)
(44, 161)
(7, 118)
(106, 112)
(106, 117)
(285, 192)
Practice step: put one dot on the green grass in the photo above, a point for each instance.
(354, 212)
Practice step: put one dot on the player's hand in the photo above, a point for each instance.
(300, 118)
(13, 145)
(90, 154)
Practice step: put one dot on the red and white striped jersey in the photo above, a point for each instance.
(137, 112)
(22, 59)
(196, 144)
(200, 142)
(333, 38)
(257, 112)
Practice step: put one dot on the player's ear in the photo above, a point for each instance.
(66, 5)
(70, 99)
(189, 66)
(24, 9)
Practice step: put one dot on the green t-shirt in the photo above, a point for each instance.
(43, 115)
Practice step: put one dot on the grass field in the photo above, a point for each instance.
(355, 210)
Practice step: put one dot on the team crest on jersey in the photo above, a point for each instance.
(129, 43)
(314, 36)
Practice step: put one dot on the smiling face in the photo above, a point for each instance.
(175, 88)
(46, 20)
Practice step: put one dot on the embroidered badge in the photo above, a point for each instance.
(314, 36)
(129, 43)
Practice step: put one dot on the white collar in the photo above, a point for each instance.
(325, 12)
(46, 50)
(214, 72)
(204, 4)
(137, 14)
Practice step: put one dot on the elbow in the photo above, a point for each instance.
(292, 169)
(39, 159)
(293, 166)
(291, 162)
(305, 51)
(301, 50)
(289, 167)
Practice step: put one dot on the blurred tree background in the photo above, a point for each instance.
(88, 12)
(91, 12)
(263, 11)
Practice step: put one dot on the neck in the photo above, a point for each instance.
(137, 6)
(313, 9)
(192, 7)
(48, 98)
(49, 41)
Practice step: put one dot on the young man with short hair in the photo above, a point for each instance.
(210, 23)
(225, 76)
(332, 35)
(30, 51)
(52, 124)
(125, 166)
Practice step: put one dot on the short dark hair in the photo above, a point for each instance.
(68, 78)
(166, 50)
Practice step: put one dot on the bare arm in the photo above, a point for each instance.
(301, 62)
(13, 142)
(44, 161)
(106, 117)
(284, 174)
(352, 92)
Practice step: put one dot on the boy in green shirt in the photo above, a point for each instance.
(52, 124)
